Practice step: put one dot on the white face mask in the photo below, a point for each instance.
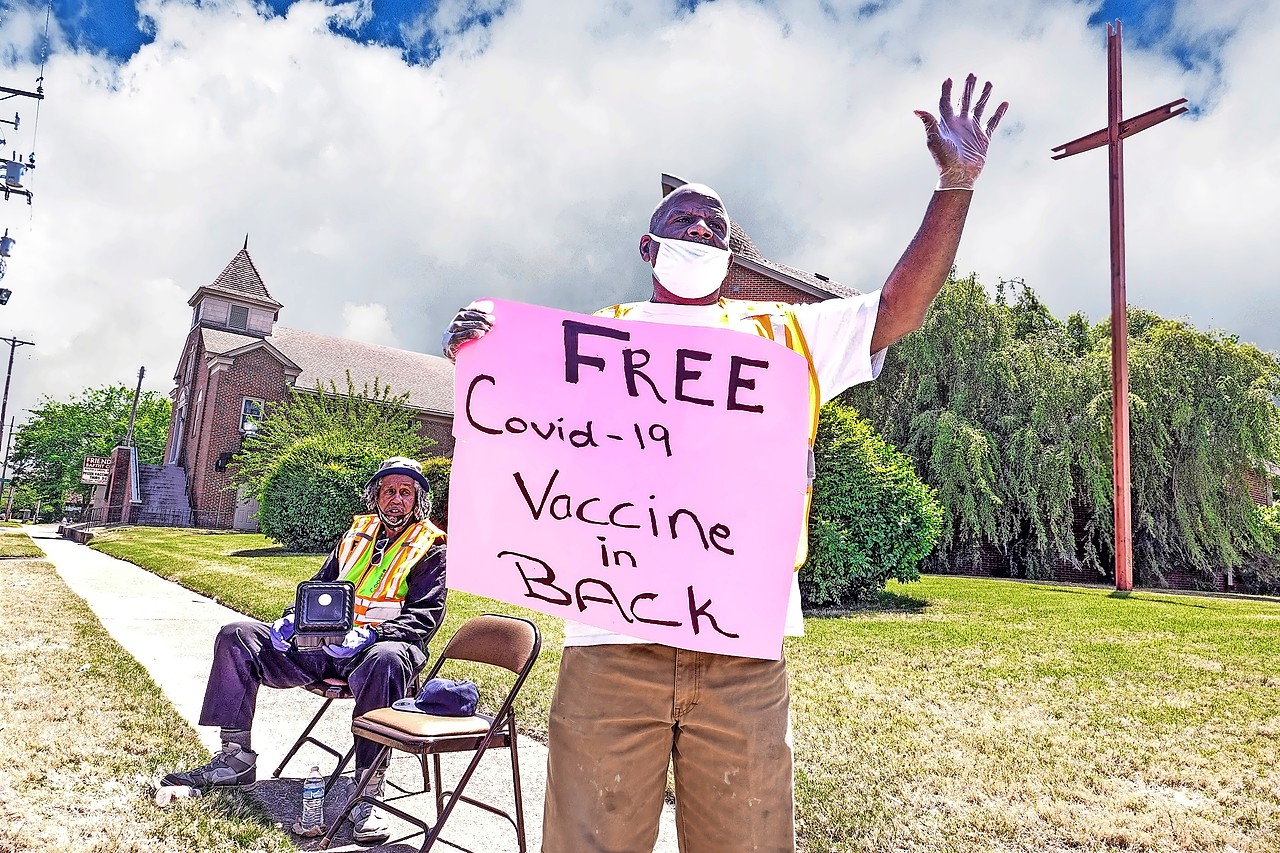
(690, 270)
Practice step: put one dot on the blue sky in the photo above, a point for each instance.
(115, 26)
(390, 161)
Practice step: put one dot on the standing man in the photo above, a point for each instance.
(625, 708)
(395, 558)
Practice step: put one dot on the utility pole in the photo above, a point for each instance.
(4, 471)
(1113, 136)
(133, 413)
(14, 343)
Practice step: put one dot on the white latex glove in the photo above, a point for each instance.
(281, 632)
(959, 143)
(352, 644)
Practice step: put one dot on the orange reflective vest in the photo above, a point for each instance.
(777, 322)
(382, 587)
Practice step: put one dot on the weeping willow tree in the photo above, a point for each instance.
(1006, 412)
(1203, 409)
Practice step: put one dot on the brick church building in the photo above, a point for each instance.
(237, 359)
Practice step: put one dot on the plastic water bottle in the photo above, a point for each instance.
(311, 821)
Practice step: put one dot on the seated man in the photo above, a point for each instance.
(396, 559)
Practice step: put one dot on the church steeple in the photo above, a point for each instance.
(237, 300)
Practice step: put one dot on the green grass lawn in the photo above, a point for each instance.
(16, 543)
(85, 734)
(960, 714)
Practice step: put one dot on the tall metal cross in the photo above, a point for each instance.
(1113, 136)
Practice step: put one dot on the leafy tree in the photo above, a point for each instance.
(26, 498)
(1259, 572)
(982, 399)
(1203, 413)
(872, 518)
(373, 415)
(1007, 413)
(313, 453)
(49, 449)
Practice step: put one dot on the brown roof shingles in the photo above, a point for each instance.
(427, 378)
(240, 277)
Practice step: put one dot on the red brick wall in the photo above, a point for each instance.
(195, 412)
(176, 395)
(439, 430)
(743, 283)
(1259, 488)
(1186, 579)
(254, 374)
(993, 564)
(119, 489)
(194, 345)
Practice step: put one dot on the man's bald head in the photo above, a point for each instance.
(679, 193)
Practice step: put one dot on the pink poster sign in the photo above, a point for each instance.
(643, 478)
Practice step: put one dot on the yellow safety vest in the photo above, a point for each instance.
(381, 589)
(777, 322)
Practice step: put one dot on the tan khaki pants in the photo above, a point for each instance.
(622, 712)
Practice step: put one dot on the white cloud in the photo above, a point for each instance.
(524, 161)
(368, 323)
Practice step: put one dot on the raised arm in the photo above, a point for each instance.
(958, 143)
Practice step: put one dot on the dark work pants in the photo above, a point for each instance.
(243, 659)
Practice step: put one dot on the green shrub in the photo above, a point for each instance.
(309, 495)
(872, 518)
(369, 415)
(437, 470)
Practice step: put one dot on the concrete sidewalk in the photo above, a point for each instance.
(170, 630)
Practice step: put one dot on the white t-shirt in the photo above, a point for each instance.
(838, 332)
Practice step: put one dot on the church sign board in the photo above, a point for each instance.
(96, 470)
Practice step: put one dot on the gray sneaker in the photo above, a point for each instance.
(370, 823)
(235, 765)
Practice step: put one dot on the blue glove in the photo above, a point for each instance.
(282, 632)
(352, 644)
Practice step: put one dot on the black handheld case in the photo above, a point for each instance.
(323, 613)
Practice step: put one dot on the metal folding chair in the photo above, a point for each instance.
(505, 642)
(331, 689)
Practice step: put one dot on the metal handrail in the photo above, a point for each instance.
(135, 494)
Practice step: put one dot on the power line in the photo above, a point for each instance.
(44, 56)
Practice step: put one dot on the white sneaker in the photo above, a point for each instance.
(370, 822)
